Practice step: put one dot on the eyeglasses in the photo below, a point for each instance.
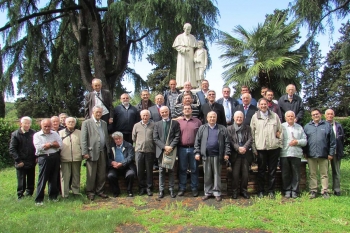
(210, 94)
(316, 114)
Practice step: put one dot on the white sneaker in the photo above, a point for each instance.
(39, 203)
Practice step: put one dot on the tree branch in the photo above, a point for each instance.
(28, 17)
(142, 37)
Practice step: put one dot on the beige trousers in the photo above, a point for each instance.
(316, 164)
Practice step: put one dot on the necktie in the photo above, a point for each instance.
(98, 94)
(227, 112)
(245, 107)
(98, 123)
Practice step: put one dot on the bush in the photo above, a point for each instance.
(6, 128)
(345, 122)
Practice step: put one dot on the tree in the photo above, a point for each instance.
(265, 56)
(103, 37)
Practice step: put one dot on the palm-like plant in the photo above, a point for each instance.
(265, 56)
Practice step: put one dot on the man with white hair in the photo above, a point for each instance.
(292, 102)
(294, 138)
(247, 108)
(339, 149)
(22, 151)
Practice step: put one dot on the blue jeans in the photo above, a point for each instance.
(186, 160)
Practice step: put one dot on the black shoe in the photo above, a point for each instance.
(195, 193)
(181, 193)
(337, 193)
(91, 197)
(102, 195)
(149, 193)
(116, 194)
(161, 194)
(205, 198)
(234, 195)
(312, 195)
(130, 194)
(271, 195)
(260, 195)
(172, 193)
(245, 195)
(142, 192)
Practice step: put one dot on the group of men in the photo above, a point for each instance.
(192, 125)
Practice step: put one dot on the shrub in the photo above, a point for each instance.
(345, 122)
(6, 128)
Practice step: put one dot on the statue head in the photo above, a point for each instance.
(187, 28)
(200, 44)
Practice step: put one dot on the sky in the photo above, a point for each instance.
(248, 14)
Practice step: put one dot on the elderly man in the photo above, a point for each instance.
(188, 126)
(95, 148)
(247, 108)
(170, 97)
(294, 139)
(212, 145)
(245, 89)
(70, 158)
(142, 136)
(63, 117)
(213, 106)
(125, 117)
(185, 44)
(121, 163)
(319, 150)
(99, 97)
(292, 102)
(241, 141)
(145, 102)
(166, 136)
(339, 149)
(229, 104)
(267, 142)
(203, 93)
(47, 145)
(187, 90)
(186, 100)
(55, 124)
(154, 110)
(22, 151)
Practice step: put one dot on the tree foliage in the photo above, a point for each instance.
(74, 40)
(266, 56)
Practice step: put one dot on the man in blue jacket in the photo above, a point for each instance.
(339, 149)
(319, 150)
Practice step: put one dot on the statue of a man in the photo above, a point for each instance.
(185, 44)
(200, 62)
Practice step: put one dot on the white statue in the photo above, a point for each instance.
(185, 44)
(200, 62)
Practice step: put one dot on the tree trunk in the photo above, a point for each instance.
(2, 104)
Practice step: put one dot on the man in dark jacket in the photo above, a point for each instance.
(292, 102)
(213, 106)
(170, 97)
(339, 149)
(145, 102)
(125, 117)
(23, 152)
(320, 148)
(213, 146)
(121, 164)
(229, 104)
(247, 108)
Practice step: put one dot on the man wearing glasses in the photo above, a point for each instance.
(213, 106)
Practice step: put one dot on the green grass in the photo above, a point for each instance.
(78, 215)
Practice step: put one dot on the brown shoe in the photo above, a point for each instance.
(91, 197)
(218, 198)
(205, 198)
(102, 195)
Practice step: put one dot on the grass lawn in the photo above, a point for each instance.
(79, 215)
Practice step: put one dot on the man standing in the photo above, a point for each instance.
(170, 97)
(213, 146)
(166, 136)
(247, 108)
(272, 105)
(145, 101)
(95, 147)
(229, 104)
(189, 127)
(186, 100)
(142, 136)
(213, 106)
(245, 89)
(187, 90)
(121, 163)
(154, 110)
(292, 102)
(203, 93)
(55, 124)
(22, 151)
(47, 145)
(339, 150)
(125, 117)
(99, 97)
(70, 158)
(320, 148)
(294, 139)
(63, 117)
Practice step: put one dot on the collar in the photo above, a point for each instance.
(143, 123)
(43, 134)
(95, 119)
(166, 120)
(212, 127)
(121, 146)
(23, 131)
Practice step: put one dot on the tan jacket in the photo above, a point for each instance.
(143, 138)
(71, 149)
(264, 131)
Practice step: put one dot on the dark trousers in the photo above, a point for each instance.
(267, 159)
(49, 167)
(106, 118)
(128, 137)
(186, 160)
(127, 172)
(25, 181)
(290, 174)
(240, 168)
(144, 164)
